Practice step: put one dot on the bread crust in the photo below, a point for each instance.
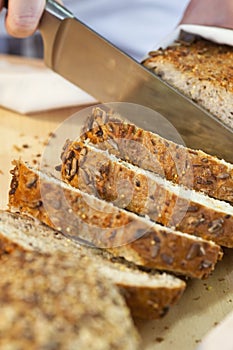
(97, 173)
(200, 69)
(191, 168)
(78, 215)
(145, 301)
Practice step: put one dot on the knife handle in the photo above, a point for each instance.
(54, 14)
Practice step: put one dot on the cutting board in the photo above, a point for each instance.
(204, 304)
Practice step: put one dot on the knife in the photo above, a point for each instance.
(89, 61)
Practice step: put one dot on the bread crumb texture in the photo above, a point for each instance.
(58, 302)
(202, 70)
(202, 58)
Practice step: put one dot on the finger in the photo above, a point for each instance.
(209, 12)
(23, 16)
(1, 4)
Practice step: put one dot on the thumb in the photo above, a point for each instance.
(23, 17)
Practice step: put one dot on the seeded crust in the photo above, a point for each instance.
(57, 302)
(96, 172)
(149, 297)
(202, 70)
(120, 232)
(191, 168)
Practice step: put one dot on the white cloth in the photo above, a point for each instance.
(215, 34)
(135, 26)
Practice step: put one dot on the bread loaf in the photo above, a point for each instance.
(191, 168)
(202, 70)
(127, 186)
(80, 215)
(58, 302)
(148, 294)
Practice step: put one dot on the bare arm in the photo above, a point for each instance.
(23, 16)
(209, 12)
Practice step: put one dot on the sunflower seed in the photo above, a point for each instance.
(216, 226)
(223, 176)
(167, 259)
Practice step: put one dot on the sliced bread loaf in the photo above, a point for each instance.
(58, 302)
(202, 70)
(80, 215)
(191, 168)
(127, 186)
(148, 294)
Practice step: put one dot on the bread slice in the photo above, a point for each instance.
(145, 193)
(148, 294)
(191, 168)
(202, 70)
(56, 302)
(80, 215)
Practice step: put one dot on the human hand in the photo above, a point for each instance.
(23, 16)
(217, 13)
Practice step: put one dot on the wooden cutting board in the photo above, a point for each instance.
(204, 304)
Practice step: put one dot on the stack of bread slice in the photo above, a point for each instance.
(147, 293)
(137, 215)
(146, 193)
(80, 215)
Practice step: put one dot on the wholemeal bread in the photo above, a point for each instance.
(96, 172)
(202, 70)
(56, 302)
(80, 215)
(191, 168)
(148, 294)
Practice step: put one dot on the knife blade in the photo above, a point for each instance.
(86, 59)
